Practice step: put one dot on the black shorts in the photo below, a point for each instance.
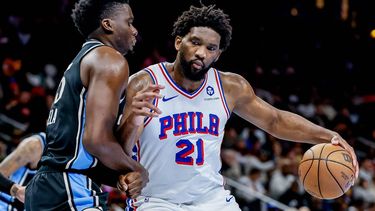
(52, 190)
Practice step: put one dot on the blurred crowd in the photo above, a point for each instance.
(32, 62)
(268, 165)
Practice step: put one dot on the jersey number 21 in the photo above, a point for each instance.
(183, 156)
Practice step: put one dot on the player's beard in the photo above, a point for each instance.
(191, 74)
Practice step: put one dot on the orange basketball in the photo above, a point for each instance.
(326, 171)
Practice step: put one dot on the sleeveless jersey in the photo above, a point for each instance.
(67, 118)
(22, 176)
(181, 148)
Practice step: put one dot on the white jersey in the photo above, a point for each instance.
(181, 148)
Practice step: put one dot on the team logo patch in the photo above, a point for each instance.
(210, 91)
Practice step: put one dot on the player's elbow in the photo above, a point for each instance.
(93, 142)
(273, 123)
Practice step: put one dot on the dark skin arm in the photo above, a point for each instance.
(139, 96)
(104, 72)
(27, 153)
(281, 124)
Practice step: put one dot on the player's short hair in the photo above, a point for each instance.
(207, 16)
(87, 14)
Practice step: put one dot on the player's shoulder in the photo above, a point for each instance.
(141, 78)
(41, 136)
(33, 140)
(229, 75)
(232, 80)
(104, 52)
(105, 58)
(141, 75)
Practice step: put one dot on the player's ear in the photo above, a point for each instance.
(107, 25)
(218, 55)
(177, 42)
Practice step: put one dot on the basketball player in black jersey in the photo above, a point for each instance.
(82, 119)
(20, 166)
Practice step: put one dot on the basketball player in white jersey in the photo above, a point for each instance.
(181, 147)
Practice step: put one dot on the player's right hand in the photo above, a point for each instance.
(133, 182)
(18, 191)
(142, 103)
(338, 140)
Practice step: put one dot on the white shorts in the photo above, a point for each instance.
(218, 200)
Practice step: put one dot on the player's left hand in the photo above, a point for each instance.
(338, 140)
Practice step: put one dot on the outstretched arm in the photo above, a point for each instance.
(28, 152)
(281, 124)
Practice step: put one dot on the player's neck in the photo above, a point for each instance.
(175, 71)
(96, 36)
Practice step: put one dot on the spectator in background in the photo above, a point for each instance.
(295, 196)
(231, 165)
(366, 170)
(253, 183)
(154, 57)
(8, 79)
(281, 179)
(363, 192)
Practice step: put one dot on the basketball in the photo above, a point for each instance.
(326, 171)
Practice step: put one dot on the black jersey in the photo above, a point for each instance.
(67, 118)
